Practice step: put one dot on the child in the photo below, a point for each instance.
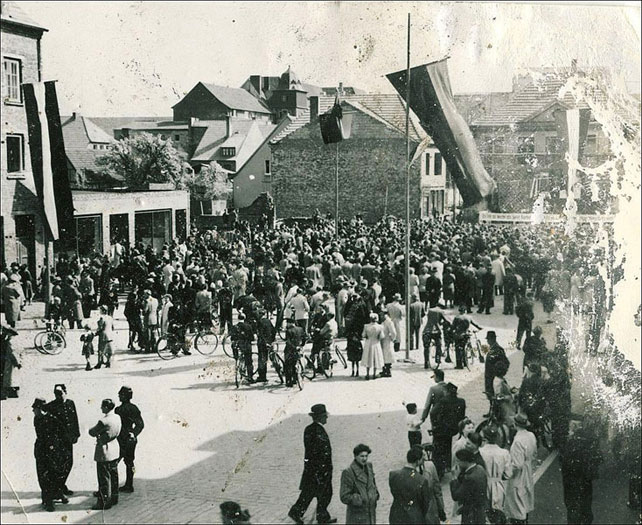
(413, 422)
(54, 310)
(87, 345)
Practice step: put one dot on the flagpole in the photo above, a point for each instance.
(407, 247)
(336, 195)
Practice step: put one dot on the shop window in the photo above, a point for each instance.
(153, 228)
(89, 235)
(15, 153)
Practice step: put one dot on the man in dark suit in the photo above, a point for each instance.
(524, 312)
(435, 393)
(410, 490)
(496, 357)
(316, 481)
(470, 488)
(64, 410)
(445, 418)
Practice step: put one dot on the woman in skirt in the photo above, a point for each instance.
(372, 353)
(355, 351)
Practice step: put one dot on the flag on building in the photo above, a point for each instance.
(48, 158)
(432, 101)
(335, 123)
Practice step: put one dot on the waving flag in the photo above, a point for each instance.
(432, 101)
(335, 123)
(48, 158)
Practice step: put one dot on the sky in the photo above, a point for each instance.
(139, 58)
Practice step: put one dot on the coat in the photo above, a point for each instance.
(411, 497)
(470, 489)
(520, 489)
(12, 299)
(389, 336)
(9, 362)
(359, 492)
(372, 353)
(499, 470)
(317, 466)
(436, 506)
(395, 311)
(106, 431)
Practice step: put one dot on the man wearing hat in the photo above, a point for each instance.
(433, 287)
(8, 361)
(231, 513)
(316, 481)
(64, 410)
(520, 488)
(132, 424)
(12, 299)
(106, 455)
(470, 488)
(50, 453)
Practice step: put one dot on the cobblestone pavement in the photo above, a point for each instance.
(206, 441)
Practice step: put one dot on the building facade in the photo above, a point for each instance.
(22, 224)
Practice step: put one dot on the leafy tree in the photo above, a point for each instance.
(210, 183)
(142, 159)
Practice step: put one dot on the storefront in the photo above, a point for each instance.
(150, 217)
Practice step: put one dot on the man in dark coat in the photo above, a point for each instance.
(433, 288)
(316, 481)
(488, 288)
(294, 337)
(410, 491)
(265, 337)
(445, 418)
(525, 315)
(50, 453)
(510, 291)
(242, 337)
(495, 357)
(470, 488)
(132, 424)
(64, 410)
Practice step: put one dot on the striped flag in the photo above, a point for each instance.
(48, 158)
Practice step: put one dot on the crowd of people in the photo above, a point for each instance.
(314, 285)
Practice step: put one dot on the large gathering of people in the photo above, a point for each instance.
(313, 285)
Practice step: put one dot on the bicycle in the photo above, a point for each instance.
(240, 368)
(51, 340)
(277, 362)
(472, 350)
(505, 434)
(168, 346)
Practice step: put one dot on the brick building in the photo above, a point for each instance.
(372, 163)
(22, 224)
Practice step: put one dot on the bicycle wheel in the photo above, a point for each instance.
(205, 343)
(165, 349)
(307, 367)
(299, 374)
(479, 352)
(53, 343)
(342, 359)
(227, 346)
(326, 364)
(277, 364)
(238, 372)
(37, 342)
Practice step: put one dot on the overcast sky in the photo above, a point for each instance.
(139, 58)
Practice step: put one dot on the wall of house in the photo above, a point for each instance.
(17, 189)
(201, 104)
(373, 159)
(252, 180)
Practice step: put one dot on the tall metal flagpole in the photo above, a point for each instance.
(336, 195)
(407, 250)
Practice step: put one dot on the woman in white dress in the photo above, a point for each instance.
(372, 353)
(389, 336)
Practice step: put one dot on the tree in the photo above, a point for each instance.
(142, 159)
(210, 183)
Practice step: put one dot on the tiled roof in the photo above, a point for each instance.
(295, 123)
(109, 124)
(236, 98)
(96, 134)
(10, 12)
(389, 107)
(142, 125)
(247, 136)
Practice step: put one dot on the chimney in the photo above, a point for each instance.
(340, 88)
(314, 107)
(228, 126)
(255, 80)
(574, 66)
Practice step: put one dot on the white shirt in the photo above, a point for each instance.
(413, 422)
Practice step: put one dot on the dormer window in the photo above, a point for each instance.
(228, 152)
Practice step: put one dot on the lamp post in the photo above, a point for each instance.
(407, 247)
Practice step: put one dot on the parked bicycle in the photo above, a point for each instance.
(473, 349)
(52, 339)
(240, 368)
(325, 362)
(494, 419)
(204, 340)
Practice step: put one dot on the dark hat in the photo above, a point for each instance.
(61, 387)
(318, 410)
(491, 433)
(38, 403)
(491, 333)
(463, 454)
(428, 447)
(521, 420)
(7, 330)
(452, 387)
(232, 510)
(125, 390)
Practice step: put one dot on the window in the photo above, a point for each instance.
(228, 152)
(553, 145)
(177, 138)
(12, 73)
(449, 178)
(284, 98)
(15, 154)
(427, 163)
(438, 164)
(591, 144)
(267, 167)
(206, 207)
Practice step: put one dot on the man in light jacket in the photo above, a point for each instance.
(499, 469)
(106, 455)
(520, 489)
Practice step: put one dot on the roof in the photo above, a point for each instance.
(78, 132)
(109, 124)
(389, 107)
(236, 98)
(10, 12)
(96, 134)
(294, 123)
(247, 136)
(142, 125)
